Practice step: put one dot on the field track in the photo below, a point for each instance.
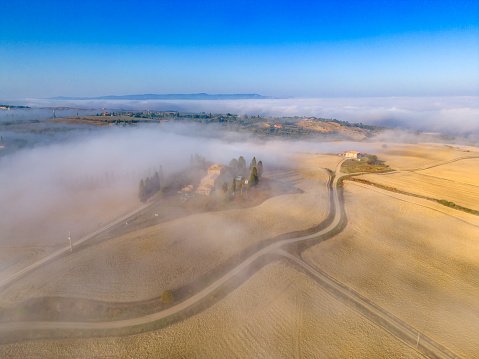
(368, 309)
(444, 163)
(67, 248)
(375, 313)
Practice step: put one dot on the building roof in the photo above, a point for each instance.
(214, 167)
(352, 152)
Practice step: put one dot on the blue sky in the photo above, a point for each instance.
(280, 48)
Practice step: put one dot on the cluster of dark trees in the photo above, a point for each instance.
(289, 125)
(349, 124)
(199, 162)
(373, 160)
(238, 165)
(149, 187)
(255, 170)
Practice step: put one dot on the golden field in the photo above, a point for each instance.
(463, 194)
(142, 264)
(32, 236)
(414, 258)
(416, 262)
(464, 171)
(416, 156)
(279, 312)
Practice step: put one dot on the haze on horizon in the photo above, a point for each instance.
(315, 49)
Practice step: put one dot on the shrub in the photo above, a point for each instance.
(167, 296)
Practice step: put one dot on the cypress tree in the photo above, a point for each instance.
(155, 182)
(252, 164)
(253, 179)
(241, 164)
(142, 192)
(234, 163)
(260, 168)
(147, 187)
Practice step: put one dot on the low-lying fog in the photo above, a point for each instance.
(451, 115)
(83, 180)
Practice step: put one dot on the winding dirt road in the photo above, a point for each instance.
(180, 306)
(359, 303)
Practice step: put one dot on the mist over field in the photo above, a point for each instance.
(72, 162)
(449, 115)
(82, 179)
(247, 179)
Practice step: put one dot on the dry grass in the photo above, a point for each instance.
(355, 133)
(278, 313)
(463, 194)
(353, 166)
(143, 263)
(28, 236)
(414, 156)
(317, 161)
(464, 171)
(12, 258)
(416, 262)
(415, 258)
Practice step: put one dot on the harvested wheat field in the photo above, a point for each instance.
(465, 195)
(279, 312)
(415, 261)
(142, 264)
(415, 156)
(317, 161)
(35, 233)
(463, 171)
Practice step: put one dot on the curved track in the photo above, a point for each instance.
(186, 303)
(363, 305)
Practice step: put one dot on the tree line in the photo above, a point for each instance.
(149, 186)
(255, 170)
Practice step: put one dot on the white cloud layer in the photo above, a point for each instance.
(451, 115)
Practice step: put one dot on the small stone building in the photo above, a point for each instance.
(351, 154)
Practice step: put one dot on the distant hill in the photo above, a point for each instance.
(195, 96)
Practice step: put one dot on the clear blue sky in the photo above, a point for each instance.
(297, 48)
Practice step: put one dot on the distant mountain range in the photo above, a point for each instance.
(194, 96)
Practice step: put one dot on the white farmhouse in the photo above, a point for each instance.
(351, 154)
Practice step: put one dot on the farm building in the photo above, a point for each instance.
(351, 154)
(186, 189)
(240, 182)
(209, 181)
(216, 169)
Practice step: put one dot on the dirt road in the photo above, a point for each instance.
(371, 311)
(364, 306)
(67, 248)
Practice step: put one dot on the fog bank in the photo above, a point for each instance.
(81, 182)
(450, 115)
